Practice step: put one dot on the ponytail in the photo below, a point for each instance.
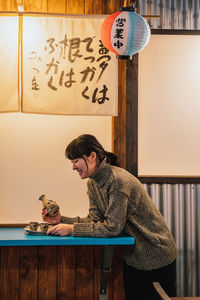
(111, 158)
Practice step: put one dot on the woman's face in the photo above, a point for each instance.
(85, 167)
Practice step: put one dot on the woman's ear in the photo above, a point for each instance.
(93, 156)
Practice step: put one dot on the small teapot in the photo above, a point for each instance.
(50, 205)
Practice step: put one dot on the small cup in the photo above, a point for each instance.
(44, 227)
(33, 226)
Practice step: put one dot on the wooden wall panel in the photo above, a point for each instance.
(97, 262)
(9, 273)
(66, 256)
(111, 6)
(75, 7)
(56, 272)
(116, 287)
(35, 5)
(9, 5)
(93, 7)
(28, 276)
(85, 273)
(56, 6)
(47, 269)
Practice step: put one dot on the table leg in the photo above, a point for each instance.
(106, 263)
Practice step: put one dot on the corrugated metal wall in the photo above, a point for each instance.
(174, 14)
(180, 206)
(179, 203)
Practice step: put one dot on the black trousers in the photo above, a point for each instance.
(138, 284)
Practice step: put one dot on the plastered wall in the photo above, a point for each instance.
(32, 162)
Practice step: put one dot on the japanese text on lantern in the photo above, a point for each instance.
(119, 32)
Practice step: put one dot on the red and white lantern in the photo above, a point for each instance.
(125, 33)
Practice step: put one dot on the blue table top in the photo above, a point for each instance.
(18, 237)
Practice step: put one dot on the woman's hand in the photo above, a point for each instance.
(51, 220)
(61, 229)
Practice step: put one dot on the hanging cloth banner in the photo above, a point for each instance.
(9, 100)
(66, 68)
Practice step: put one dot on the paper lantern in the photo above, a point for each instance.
(125, 33)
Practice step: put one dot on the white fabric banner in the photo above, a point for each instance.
(66, 69)
(9, 100)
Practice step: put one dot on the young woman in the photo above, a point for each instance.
(119, 203)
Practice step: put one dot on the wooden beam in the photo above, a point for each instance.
(132, 115)
(35, 6)
(75, 7)
(119, 122)
(93, 7)
(56, 6)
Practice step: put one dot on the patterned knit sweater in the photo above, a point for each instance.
(119, 204)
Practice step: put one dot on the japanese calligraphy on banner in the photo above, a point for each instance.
(9, 100)
(66, 68)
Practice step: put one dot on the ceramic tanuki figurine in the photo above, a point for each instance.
(50, 205)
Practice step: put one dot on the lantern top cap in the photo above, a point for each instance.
(128, 8)
(130, 5)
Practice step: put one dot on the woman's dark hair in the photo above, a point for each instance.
(84, 145)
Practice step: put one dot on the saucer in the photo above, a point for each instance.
(35, 232)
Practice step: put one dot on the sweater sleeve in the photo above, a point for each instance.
(111, 224)
(69, 220)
